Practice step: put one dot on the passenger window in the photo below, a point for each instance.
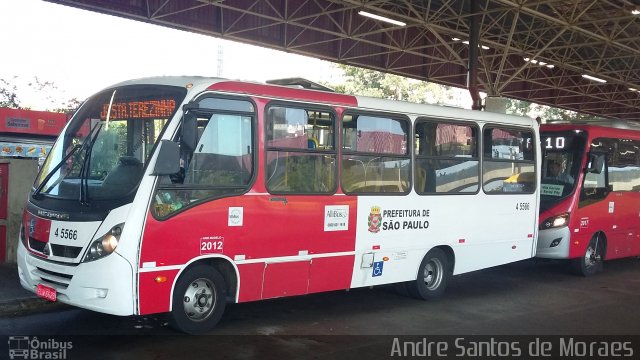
(624, 165)
(375, 155)
(509, 161)
(301, 156)
(446, 158)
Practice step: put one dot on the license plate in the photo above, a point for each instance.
(46, 292)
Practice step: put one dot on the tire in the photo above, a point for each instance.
(199, 299)
(591, 262)
(433, 276)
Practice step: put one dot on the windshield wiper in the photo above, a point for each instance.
(54, 170)
(75, 148)
(84, 169)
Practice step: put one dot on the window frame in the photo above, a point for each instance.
(612, 161)
(483, 159)
(408, 156)
(303, 106)
(472, 125)
(254, 157)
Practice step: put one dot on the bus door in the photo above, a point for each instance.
(308, 237)
(288, 236)
(303, 218)
(601, 207)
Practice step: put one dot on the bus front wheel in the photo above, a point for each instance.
(433, 276)
(199, 299)
(591, 262)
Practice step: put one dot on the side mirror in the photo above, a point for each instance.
(189, 136)
(168, 160)
(596, 163)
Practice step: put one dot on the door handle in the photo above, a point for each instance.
(283, 199)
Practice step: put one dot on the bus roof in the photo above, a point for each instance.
(361, 102)
(440, 111)
(593, 130)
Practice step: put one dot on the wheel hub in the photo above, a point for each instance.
(433, 272)
(591, 257)
(199, 300)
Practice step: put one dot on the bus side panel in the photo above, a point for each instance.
(155, 295)
(619, 210)
(251, 276)
(324, 274)
(623, 214)
(611, 216)
(582, 225)
(631, 222)
(174, 242)
(394, 233)
(330, 273)
(285, 279)
(634, 238)
(270, 226)
(259, 228)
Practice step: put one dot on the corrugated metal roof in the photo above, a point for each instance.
(576, 37)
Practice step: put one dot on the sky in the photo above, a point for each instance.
(82, 52)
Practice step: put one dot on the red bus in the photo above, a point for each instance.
(590, 195)
(179, 194)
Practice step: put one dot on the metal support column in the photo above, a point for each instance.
(472, 69)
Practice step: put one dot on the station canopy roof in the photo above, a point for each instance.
(534, 50)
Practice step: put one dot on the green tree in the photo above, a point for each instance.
(9, 95)
(49, 92)
(365, 82)
(519, 107)
(546, 113)
(68, 107)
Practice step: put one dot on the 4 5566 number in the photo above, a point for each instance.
(63, 233)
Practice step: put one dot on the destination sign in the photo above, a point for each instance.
(149, 109)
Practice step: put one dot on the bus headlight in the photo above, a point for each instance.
(104, 245)
(555, 221)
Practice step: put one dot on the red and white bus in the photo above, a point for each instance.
(590, 195)
(181, 194)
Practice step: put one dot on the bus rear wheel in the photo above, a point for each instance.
(592, 261)
(199, 299)
(433, 276)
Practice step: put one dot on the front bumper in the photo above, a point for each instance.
(104, 285)
(561, 235)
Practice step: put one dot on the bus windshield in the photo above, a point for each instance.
(103, 150)
(562, 155)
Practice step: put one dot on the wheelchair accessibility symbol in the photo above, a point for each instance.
(377, 268)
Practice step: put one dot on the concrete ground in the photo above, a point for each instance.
(524, 298)
(16, 301)
(516, 304)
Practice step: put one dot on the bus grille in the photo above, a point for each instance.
(36, 245)
(53, 277)
(66, 251)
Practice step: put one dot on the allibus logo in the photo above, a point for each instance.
(25, 347)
